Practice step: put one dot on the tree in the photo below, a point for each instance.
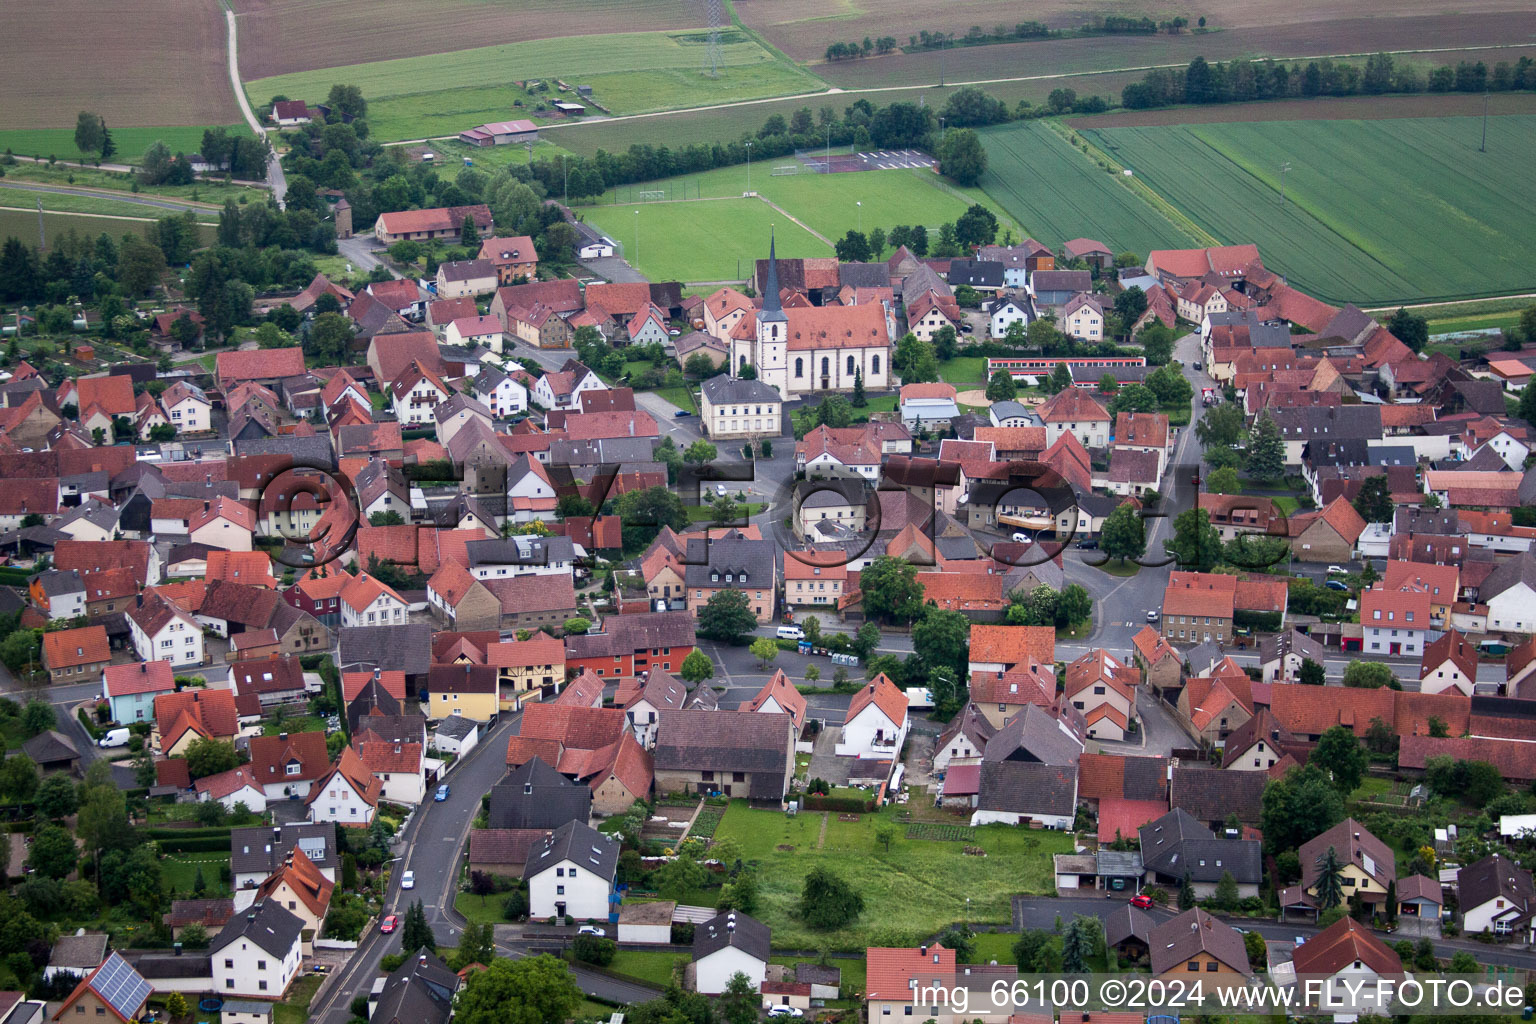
(739, 1000)
(679, 876)
(961, 157)
(1409, 328)
(415, 933)
(1060, 378)
(140, 265)
(329, 338)
(576, 624)
(700, 452)
(865, 640)
(1157, 344)
(1257, 950)
(1077, 944)
(1463, 962)
(1369, 675)
(859, 399)
(1001, 387)
(1032, 951)
(208, 756)
(764, 649)
(37, 717)
(884, 834)
(646, 511)
(876, 243)
(697, 667)
(530, 990)
(727, 616)
(891, 590)
(1301, 805)
(1266, 450)
(108, 147)
(1130, 305)
(1220, 427)
(943, 637)
(1339, 753)
(54, 853)
(1073, 605)
(1374, 501)
(1223, 481)
(1311, 673)
(1330, 879)
(828, 902)
(55, 797)
(1196, 544)
(89, 132)
(469, 234)
(853, 248)
(1186, 894)
(176, 1005)
(1225, 897)
(1124, 535)
(915, 360)
(977, 226)
(591, 949)
(1173, 391)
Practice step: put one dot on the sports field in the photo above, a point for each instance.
(1376, 212)
(715, 240)
(1059, 193)
(635, 72)
(826, 203)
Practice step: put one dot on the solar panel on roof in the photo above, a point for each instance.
(120, 986)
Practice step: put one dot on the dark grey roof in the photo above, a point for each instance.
(1177, 844)
(1317, 423)
(733, 741)
(924, 279)
(1441, 522)
(1033, 734)
(625, 634)
(728, 390)
(1203, 657)
(1024, 787)
(976, 273)
(466, 270)
(79, 953)
(314, 450)
(864, 275)
(262, 849)
(50, 747)
(55, 583)
(534, 795)
(456, 726)
(1146, 778)
(703, 698)
(1162, 837)
(1344, 451)
(748, 563)
(420, 991)
(1072, 281)
(734, 929)
(1126, 922)
(407, 648)
(1009, 409)
(575, 842)
(1261, 333)
(1510, 573)
(1193, 932)
(519, 550)
(1211, 794)
(596, 451)
(267, 924)
(164, 966)
(1293, 641)
(973, 724)
(1496, 876)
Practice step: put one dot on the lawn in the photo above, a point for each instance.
(996, 946)
(1361, 199)
(680, 397)
(633, 72)
(131, 142)
(480, 910)
(294, 723)
(1484, 322)
(212, 193)
(713, 241)
(828, 203)
(706, 513)
(180, 872)
(295, 1009)
(649, 965)
(1058, 193)
(964, 370)
(1286, 504)
(911, 891)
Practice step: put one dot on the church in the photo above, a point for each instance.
(812, 348)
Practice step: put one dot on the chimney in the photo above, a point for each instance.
(923, 950)
(282, 736)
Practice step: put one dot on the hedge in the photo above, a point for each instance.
(201, 832)
(842, 804)
(195, 844)
(90, 726)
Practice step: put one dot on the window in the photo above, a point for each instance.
(261, 965)
(262, 984)
(559, 890)
(826, 366)
(850, 364)
(1194, 965)
(874, 365)
(1210, 967)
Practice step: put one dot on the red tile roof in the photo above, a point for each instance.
(258, 364)
(209, 713)
(70, 648)
(270, 755)
(789, 700)
(890, 971)
(1343, 944)
(885, 696)
(1210, 595)
(139, 677)
(1011, 645)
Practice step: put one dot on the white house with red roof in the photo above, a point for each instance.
(236, 786)
(530, 491)
(1074, 411)
(470, 331)
(367, 602)
(1394, 621)
(648, 326)
(779, 697)
(558, 389)
(162, 630)
(415, 395)
(347, 794)
(877, 721)
(131, 689)
(187, 408)
(222, 523)
(288, 764)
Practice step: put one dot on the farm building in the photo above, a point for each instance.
(288, 113)
(501, 133)
(443, 223)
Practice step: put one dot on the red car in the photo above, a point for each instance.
(389, 924)
(1142, 900)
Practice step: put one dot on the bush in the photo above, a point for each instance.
(842, 804)
(593, 949)
(682, 933)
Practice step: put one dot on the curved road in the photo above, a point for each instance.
(276, 181)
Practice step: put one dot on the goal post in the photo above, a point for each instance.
(786, 169)
(652, 196)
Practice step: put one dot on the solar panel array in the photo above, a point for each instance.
(120, 986)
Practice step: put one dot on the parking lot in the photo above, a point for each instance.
(887, 159)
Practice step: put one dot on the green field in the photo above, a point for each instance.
(131, 142)
(635, 72)
(709, 241)
(910, 892)
(1382, 211)
(22, 198)
(23, 225)
(827, 203)
(1059, 193)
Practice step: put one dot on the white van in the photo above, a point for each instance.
(114, 738)
(791, 633)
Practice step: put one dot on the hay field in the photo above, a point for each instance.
(283, 36)
(709, 240)
(1377, 212)
(133, 63)
(441, 94)
(1058, 193)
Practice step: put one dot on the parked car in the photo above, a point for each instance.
(389, 924)
(408, 880)
(114, 738)
(1336, 585)
(1141, 900)
(591, 929)
(442, 793)
(1153, 615)
(789, 1011)
(681, 413)
(1337, 570)
(1021, 538)
(720, 490)
(791, 633)
(1089, 543)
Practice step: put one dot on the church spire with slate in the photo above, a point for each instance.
(772, 311)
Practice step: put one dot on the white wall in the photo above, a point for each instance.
(584, 894)
(238, 971)
(714, 972)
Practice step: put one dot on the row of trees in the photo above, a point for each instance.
(1240, 80)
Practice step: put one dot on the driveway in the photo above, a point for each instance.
(1159, 735)
(615, 269)
(825, 764)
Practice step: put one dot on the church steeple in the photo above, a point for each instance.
(772, 311)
